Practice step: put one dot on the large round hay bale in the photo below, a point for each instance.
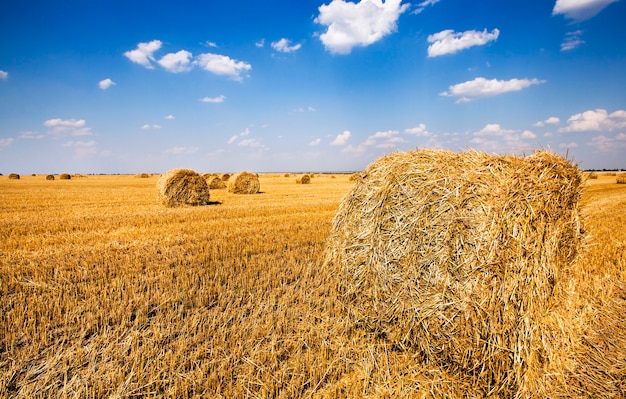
(456, 256)
(216, 183)
(225, 177)
(14, 176)
(65, 176)
(304, 179)
(244, 183)
(49, 177)
(180, 187)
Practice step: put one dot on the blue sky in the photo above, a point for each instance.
(281, 85)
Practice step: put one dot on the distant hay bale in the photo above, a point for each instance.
(304, 179)
(142, 175)
(244, 183)
(65, 176)
(180, 187)
(225, 177)
(592, 175)
(621, 179)
(456, 256)
(610, 174)
(14, 176)
(216, 183)
(286, 175)
(50, 177)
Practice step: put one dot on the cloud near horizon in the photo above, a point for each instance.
(450, 42)
(357, 24)
(597, 120)
(481, 87)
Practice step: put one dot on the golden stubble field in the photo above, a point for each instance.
(106, 293)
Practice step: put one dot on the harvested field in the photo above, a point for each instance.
(105, 293)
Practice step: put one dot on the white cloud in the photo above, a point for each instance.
(260, 43)
(283, 46)
(72, 127)
(169, 117)
(595, 121)
(143, 54)
(28, 135)
(450, 42)
(214, 100)
(385, 139)
(419, 131)
(572, 40)
(494, 137)
(357, 24)
(177, 62)
(211, 44)
(421, 6)
(553, 120)
(181, 150)
(481, 87)
(148, 126)
(568, 145)
(494, 129)
(3, 75)
(315, 142)
(223, 65)
(5, 142)
(106, 83)
(342, 138)
(527, 134)
(580, 10)
(233, 139)
(82, 148)
(252, 143)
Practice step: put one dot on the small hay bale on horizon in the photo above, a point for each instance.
(304, 179)
(142, 175)
(182, 187)
(244, 183)
(621, 179)
(216, 183)
(14, 176)
(65, 176)
(455, 257)
(49, 177)
(592, 176)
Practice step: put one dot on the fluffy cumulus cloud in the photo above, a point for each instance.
(613, 144)
(357, 24)
(419, 131)
(177, 62)
(67, 127)
(106, 83)
(143, 54)
(183, 61)
(223, 65)
(342, 138)
(553, 120)
(450, 42)
(284, 46)
(580, 10)
(4, 75)
(386, 139)
(598, 120)
(481, 87)
(493, 137)
(214, 100)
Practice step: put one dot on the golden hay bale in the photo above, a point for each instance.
(621, 179)
(65, 176)
(304, 179)
(50, 177)
(286, 175)
(456, 256)
(216, 183)
(592, 175)
(225, 177)
(14, 176)
(180, 187)
(355, 176)
(142, 175)
(244, 183)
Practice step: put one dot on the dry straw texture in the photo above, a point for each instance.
(455, 256)
(244, 183)
(50, 177)
(304, 179)
(225, 177)
(14, 176)
(216, 183)
(180, 187)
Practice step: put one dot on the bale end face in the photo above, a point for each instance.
(244, 183)
(182, 187)
(457, 255)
